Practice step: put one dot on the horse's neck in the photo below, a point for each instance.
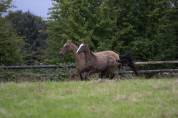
(79, 58)
(74, 49)
(90, 58)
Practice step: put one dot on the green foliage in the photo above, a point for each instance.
(4, 5)
(76, 20)
(10, 43)
(6, 75)
(147, 29)
(144, 27)
(24, 75)
(33, 30)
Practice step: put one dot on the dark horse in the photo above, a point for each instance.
(126, 60)
(104, 61)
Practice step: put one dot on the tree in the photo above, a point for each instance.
(4, 5)
(10, 43)
(33, 30)
(147, 29)
(80, 21)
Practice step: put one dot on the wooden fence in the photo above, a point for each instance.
(72, 66)
(157, 62)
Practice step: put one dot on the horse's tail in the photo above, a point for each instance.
(127, 60)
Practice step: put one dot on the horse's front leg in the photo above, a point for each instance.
(73, 75)
(83, 76)
(102, 74)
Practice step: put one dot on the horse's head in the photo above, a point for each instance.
(68, 47)
(82, 48)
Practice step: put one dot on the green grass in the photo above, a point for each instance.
(139, 98)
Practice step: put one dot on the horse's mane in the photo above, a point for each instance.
(74, 45)
(92, 53)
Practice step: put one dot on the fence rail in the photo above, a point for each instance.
(72, 66)
(150, 71)
(157, 62)
(37, 66)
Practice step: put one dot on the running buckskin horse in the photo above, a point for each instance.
(70, 47)
(80, 60)
(104, 61)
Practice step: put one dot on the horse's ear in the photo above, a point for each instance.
(83, 42)
(77, 42)
(69, 41)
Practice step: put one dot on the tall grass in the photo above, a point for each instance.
(139, 98)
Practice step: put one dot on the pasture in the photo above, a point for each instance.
(134, 98)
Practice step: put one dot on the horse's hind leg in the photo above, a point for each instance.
(111, 76)
(111, 72)
(81, 76)
(106, 74)
(103, 74)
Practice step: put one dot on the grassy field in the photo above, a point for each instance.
(138, 98)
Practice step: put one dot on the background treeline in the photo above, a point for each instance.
(23, 36)
(147, 29)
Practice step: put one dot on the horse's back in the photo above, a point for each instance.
(108, 53)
